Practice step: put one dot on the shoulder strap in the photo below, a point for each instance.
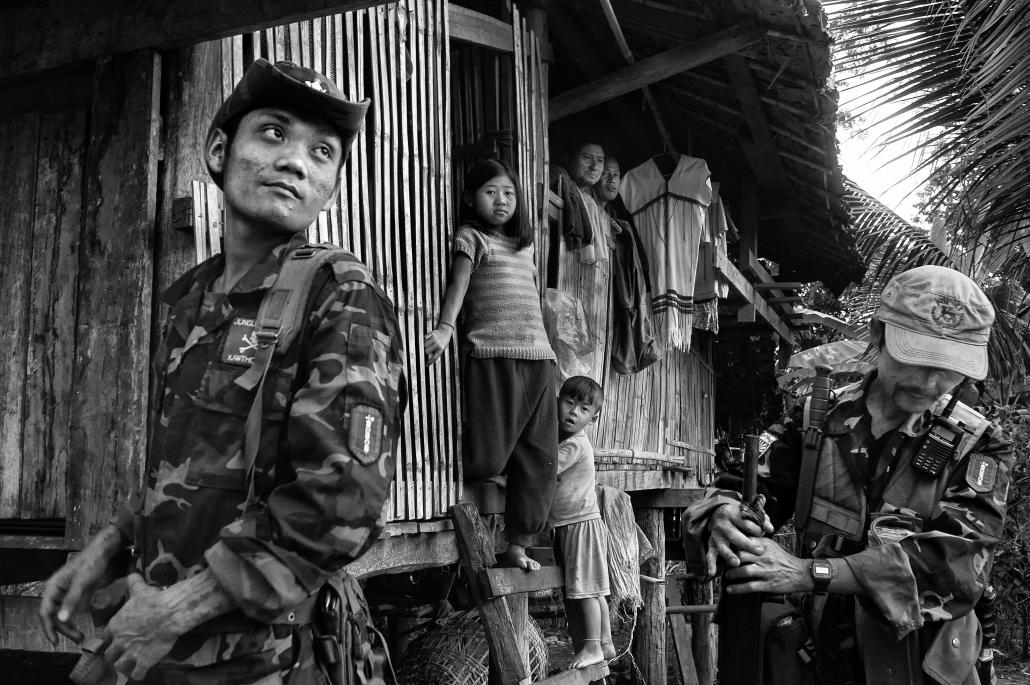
(815, 415)
(279, 319)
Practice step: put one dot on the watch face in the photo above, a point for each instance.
(822, 571)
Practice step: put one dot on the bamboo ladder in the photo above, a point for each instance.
(501, 596)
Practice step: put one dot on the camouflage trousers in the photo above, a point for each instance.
(290, 662)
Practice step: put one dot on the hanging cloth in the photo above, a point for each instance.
(576, 228)
(634, 347)
(585, 274)
(670, 215)
(708, 285)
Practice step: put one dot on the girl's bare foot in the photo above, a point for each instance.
(516, 556)
(590, 654)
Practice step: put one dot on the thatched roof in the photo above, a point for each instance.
(762, 116)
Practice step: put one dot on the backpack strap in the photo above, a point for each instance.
(279, 319)
(816, 408)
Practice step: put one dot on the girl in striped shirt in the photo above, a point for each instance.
(507, 364)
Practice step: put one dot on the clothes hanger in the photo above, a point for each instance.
(666, 162)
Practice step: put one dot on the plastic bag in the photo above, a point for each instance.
(568, 332)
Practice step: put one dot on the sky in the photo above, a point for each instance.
(887, 172)
(894, 182)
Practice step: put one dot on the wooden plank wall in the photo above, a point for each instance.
(32, 207)
(395, 210)
(76, 269)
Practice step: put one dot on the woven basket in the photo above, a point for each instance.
(457, 653)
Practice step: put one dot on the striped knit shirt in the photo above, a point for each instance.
(501, 311)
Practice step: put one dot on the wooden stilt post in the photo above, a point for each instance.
(703, 592)
(649, 637)
(477, 554)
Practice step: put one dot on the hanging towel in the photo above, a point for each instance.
(624, 559)
(670, 215)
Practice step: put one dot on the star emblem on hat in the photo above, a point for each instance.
(316, 85)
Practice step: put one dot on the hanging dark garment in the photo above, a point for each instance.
(575, 228)
(634, 347)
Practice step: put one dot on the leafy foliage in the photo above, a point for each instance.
(960, 75)
(1011, 573)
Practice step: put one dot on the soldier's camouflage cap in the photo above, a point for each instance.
(936, 316)
(285, 84)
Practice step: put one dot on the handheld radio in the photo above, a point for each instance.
(941, 442)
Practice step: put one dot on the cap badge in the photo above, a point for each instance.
(947, 312)
(316, 85)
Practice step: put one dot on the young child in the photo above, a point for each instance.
(510, 425)
(580, 536)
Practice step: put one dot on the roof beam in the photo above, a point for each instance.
(620, 39)
(51, 34)
(654, 69)
(475, 28)
(587, 59)
(765, 152)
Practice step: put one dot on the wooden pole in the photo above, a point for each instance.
(704, 631)
(627, 54)
(649, 637)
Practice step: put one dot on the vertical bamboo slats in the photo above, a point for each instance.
(395, 206)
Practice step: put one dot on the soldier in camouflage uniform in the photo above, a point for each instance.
(225, 579)
(900, 555)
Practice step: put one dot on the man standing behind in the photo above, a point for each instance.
(905, 495)
(229, 554)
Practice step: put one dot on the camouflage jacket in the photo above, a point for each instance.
(331, 418)
(925, 580)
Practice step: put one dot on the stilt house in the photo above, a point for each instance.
(104, 107)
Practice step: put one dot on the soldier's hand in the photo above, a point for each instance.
(142, 632)
(68, 591)
(772, 569)
(436, 342)
(730, 532)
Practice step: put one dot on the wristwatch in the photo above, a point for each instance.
(822, 573)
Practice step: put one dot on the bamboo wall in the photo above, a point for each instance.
(401, 185)
(395, 206)
(76, 270)
(668, 407)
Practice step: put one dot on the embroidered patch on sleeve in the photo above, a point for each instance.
(365, 437)
(981, 472)
(241, 343)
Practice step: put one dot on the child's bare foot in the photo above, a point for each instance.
(516, 556)
(588, 656)
(608, 650)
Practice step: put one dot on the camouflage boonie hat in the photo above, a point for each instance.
(936, 316)
(285, 84)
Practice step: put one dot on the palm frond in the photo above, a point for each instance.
(959, 75)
